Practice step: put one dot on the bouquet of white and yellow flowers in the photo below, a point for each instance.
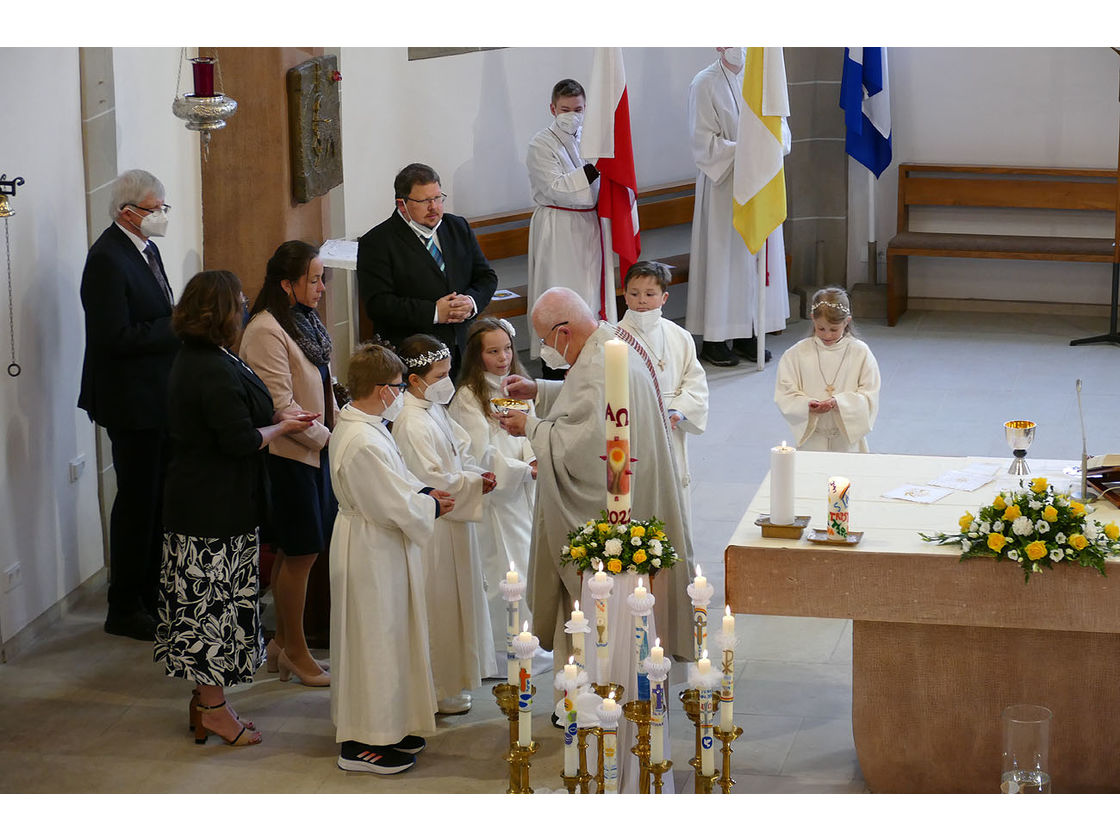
(1035, 527)
(637, 546)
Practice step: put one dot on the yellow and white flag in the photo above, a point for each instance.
(760, 183)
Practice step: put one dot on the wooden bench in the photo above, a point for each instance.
(504, 235)
(936, 185)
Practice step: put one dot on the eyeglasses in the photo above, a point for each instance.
(547, 334)
(163, 207)
(400, 386)
(428, 202)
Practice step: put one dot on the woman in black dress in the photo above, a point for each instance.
(220, 418)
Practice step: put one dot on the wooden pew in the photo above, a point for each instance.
(504, 235)
(937, 185)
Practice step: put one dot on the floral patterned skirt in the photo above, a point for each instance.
(209, 628)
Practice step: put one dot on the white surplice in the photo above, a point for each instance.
(684, 386)
(565, 244)
(437, 451)
(722, 274)
(507, 520)
(381, 681)
(569, 440)
(805, 372)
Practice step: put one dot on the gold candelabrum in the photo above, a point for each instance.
(518, 757)
(726, 781)
(603, 691)
(638, 713)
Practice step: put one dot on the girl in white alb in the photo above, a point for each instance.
(507, 521)
(828, 384)
(436, 450)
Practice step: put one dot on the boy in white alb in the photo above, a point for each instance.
(684, 387)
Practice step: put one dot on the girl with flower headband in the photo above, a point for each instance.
(828, 384)
(507, 524)
(436, 450)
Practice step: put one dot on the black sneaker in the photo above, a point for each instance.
(411, 744)
(368, 758)
(717, 353)
(748, 348)
(138, 625)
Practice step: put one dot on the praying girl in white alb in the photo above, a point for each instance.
(436, 450)
(507, 521)
(828, 384)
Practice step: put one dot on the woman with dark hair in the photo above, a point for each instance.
(220, 417)
(288, 346)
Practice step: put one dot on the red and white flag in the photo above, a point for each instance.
(606, 137)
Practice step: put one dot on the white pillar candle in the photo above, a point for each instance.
(609, 723)
(577, 638)
(728, 621)
(513, 610)
(616, 363)
(657, 719)
(727, 686)
(838, 512)
(699, 614)
(571, 759)
(525, 695)
(781, 484)
(657, 653)
(511, 575)
(707, 744)
(600, 585)
(640, 590)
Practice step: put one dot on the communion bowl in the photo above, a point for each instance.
(503, 405)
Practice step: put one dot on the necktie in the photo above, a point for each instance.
(153, 263)
(433, 249)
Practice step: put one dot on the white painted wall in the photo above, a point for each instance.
(52, 527)
(471, 118)
(1031, 107)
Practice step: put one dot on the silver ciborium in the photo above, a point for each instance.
(1020, 435)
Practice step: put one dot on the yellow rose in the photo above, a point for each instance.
(578, 552)
(1078, 541)
(1112, 531)
(1036, 550)
(999, 503)
(614, 566)
(659, 534)
(1077, 509)
(603, 527)
(637, 531)
(996, 542)
(966, 521)
(1050, 513)
(1012, 513)
(1039, 484)
(640, 556)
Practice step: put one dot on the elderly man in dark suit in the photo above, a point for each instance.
(421, 270)
(129, 351)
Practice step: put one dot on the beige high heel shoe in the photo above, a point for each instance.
(320, 680)
(272, 658)
(245, 738)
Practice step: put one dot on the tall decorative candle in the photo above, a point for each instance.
(781, 484)
(609, 713)
(571, 759)
(838, 488)
(727, 686)
(641, 605)
(577, 638)
(525, 642)
(701, 592)
(601, 585)
(658, 668)
(512, 588)
(707, 744)
(617, 424)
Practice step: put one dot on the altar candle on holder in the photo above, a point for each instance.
(707, 744)
(838, 512)
(577, 638)
(525, 694)
(513, 609)
(781, 484)
(610, 744)
(511, 575)
(727, 687)
(657, 653)
(616, 372)
(602, 630)
(699, 615)
(571, 760)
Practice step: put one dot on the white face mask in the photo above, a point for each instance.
(736, 57)
(423, 230)
(440, 392)
(154, 224)
(553, 358)
(643, 320)
(569, 121)
(393, 410)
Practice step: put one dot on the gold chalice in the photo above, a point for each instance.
(1020, 435)
(503, 405)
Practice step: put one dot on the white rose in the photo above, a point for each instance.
(1090, 530)
(622, 529)
(997, 526)
(635, 541)
(1060, 539)
(566, 550)
(1022, 526)
(985, 528)
(613, 547)
(1056, 555)
(1035, 504)
(655, 562)
(965, 545)
(655, 548)
(1043, 526)
(1013, 555)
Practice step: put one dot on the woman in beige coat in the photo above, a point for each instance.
(289, 348)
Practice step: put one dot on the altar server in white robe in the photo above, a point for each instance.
(684, 386)
(565, 237)
(381, 685)
(723, 274)
(828, 384)
(437, 450)
(569, 440)
(507, 521)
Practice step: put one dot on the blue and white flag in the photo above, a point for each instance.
(865, 98)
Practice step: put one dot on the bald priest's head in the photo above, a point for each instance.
(562, 320)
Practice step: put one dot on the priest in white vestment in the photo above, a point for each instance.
(565, 238)
(723, 274)
(569, 439)
(382, 692)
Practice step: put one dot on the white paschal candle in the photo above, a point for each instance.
(525, 696)
(781, 484)
(838, 512)
(727, 688)
(707, 744)
(571, 760)
(616, 372)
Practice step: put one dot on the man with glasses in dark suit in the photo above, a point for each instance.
(421, 270)
(129, 350)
